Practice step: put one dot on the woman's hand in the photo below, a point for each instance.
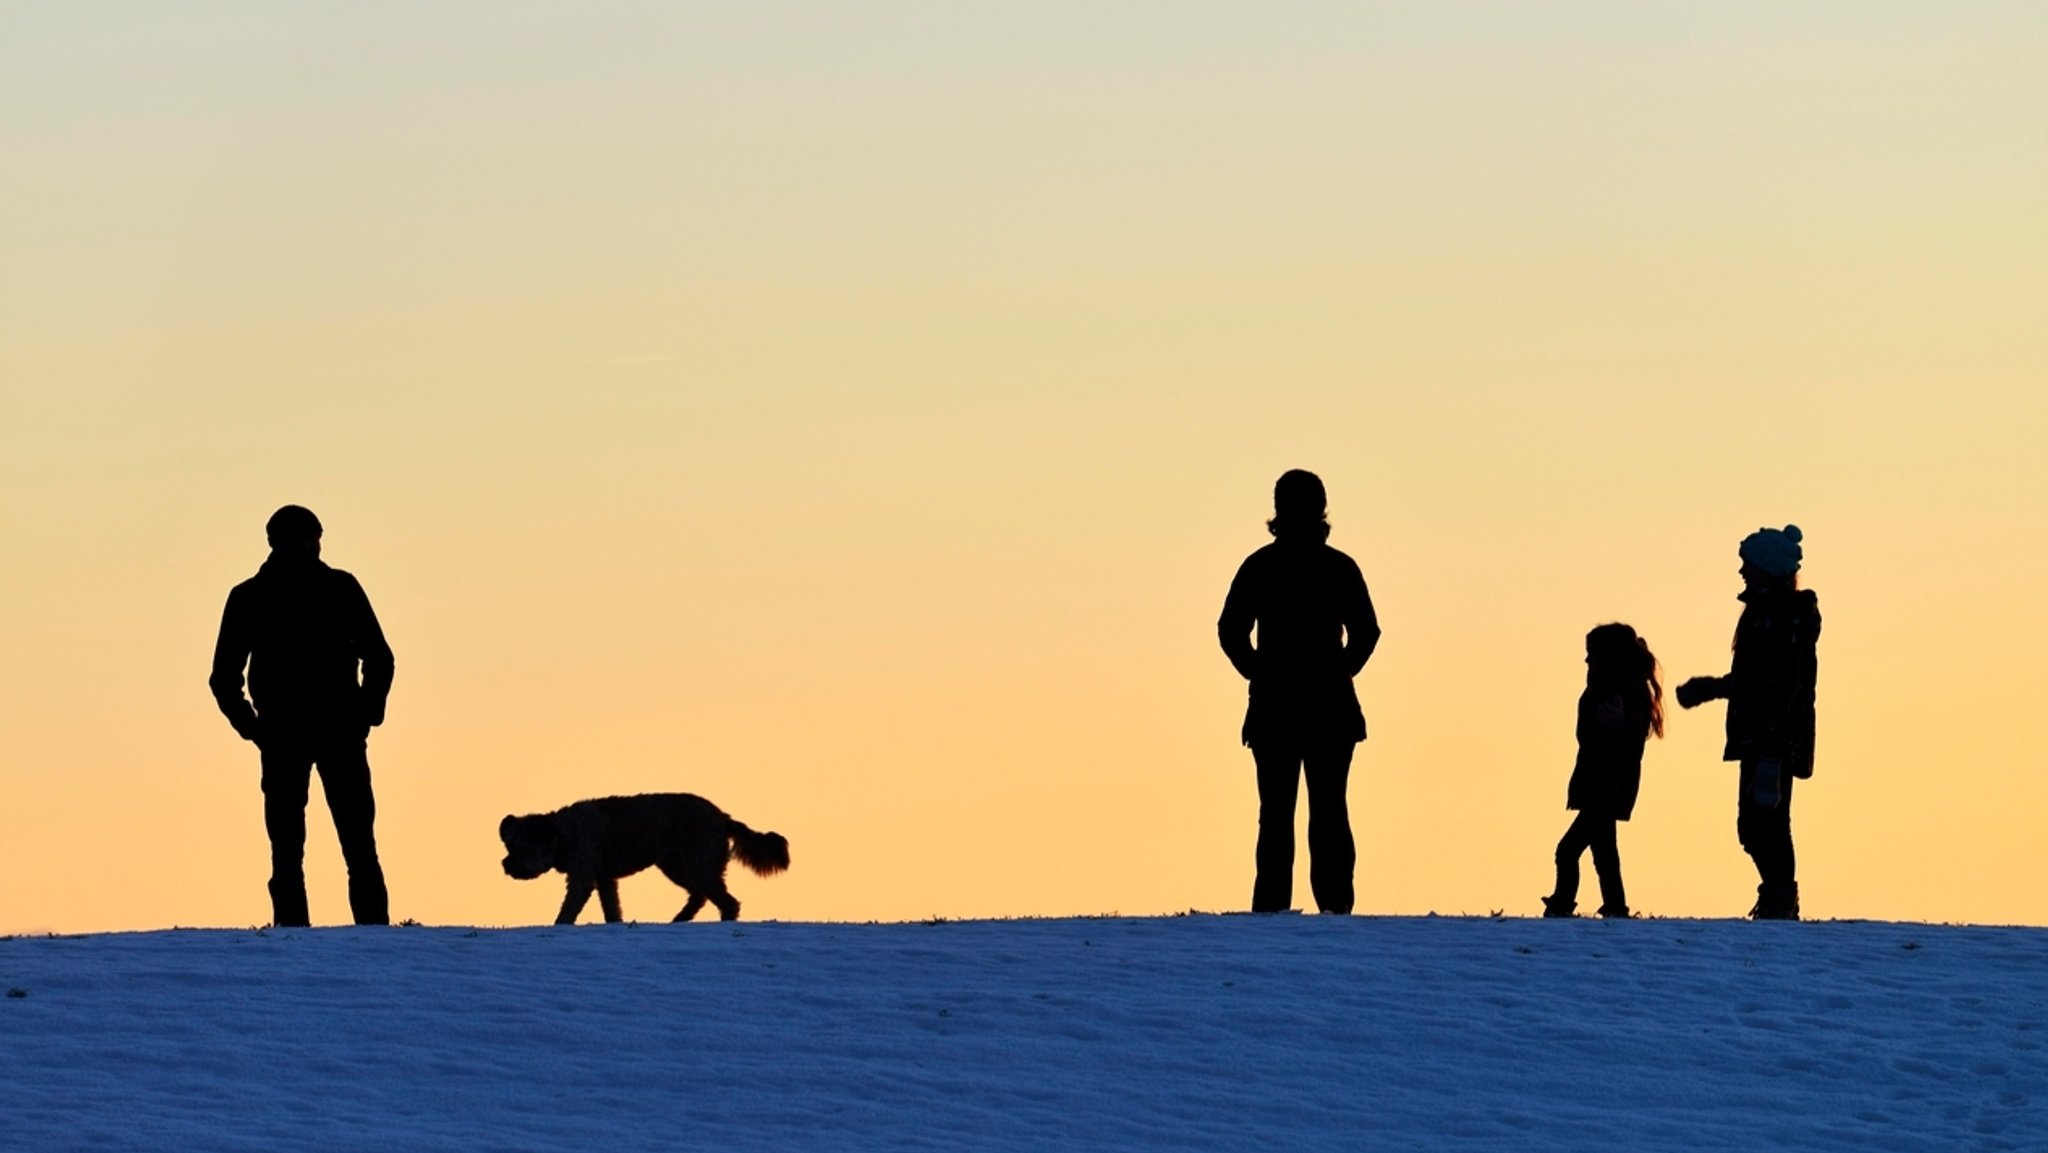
(1697, 691)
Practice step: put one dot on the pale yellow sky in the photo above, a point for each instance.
(856, 417)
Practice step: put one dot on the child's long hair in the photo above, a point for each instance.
(1616, 655)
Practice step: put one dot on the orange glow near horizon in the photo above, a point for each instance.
(857, 420)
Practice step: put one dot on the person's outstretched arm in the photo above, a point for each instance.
(1700, 690)
(230, 658)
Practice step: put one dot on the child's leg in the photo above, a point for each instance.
(1569, 847)
(1607, 863)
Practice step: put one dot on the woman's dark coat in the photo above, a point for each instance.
(1316, 630)
(1769, 686)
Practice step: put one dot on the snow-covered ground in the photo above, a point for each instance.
(1197, 1032)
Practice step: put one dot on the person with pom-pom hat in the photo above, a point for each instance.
(1769, 690)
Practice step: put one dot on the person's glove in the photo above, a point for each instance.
(1696, 691)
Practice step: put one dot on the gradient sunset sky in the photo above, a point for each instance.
(855, 414)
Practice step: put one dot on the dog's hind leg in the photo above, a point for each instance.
(608, 900)
(674, 871)
(728, 905)
(574, 900)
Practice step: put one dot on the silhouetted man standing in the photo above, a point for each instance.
(1316, 630)
(302, 629)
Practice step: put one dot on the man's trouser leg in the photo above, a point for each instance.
(285, 778)
(345, 778)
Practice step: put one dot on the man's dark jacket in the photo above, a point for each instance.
(303, 630)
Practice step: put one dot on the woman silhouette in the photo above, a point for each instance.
(1316, 629)
(1769, 690)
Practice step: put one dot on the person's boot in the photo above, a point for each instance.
(1776, 903)
(1613, 897)
(1788, 902)
(367, 899)
(288, 904)
(1560, 907)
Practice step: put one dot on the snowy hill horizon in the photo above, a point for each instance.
(1186, 1032)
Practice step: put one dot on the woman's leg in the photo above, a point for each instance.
(1766, 835)
(1332, 854)
(1279, 780)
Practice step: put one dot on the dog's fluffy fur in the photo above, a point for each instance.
(598, 841)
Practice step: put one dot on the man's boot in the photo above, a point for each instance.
(367, 899)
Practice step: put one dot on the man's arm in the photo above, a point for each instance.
(230, 658)
(1234, 627)
(375, 652)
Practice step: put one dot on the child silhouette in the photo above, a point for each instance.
(1622, 705)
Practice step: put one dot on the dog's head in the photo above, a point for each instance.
(529, 845)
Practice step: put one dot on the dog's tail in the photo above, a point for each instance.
(764, 853)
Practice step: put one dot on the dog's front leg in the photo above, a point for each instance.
(608, 900)
(574, 900)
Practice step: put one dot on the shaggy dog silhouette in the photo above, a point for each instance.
(598, 841)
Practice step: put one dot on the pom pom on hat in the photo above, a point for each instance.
(1774, 552)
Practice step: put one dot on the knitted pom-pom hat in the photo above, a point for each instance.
(1773, 551)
